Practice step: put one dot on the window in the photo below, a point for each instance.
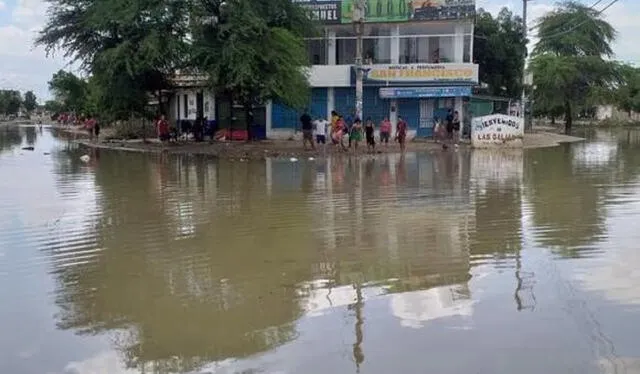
(467, 53)
(317, 51)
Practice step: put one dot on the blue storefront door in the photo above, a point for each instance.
(409, 109)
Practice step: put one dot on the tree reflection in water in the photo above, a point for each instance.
(226, 288)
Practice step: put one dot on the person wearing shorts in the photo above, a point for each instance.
(385, 131)
(307, 130)
(449, 122)
(321, 131)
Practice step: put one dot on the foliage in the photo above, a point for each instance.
(128, 47)
(69, 90)
(627, 94)
(53, 106)
(569, 62)
(10, 102)
(254, 50)
(30, 101)
(500, 49)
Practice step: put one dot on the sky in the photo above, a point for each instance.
(24, 67)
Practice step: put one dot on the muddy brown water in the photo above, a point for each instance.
(445, 262)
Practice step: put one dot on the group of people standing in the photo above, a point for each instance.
(350, 129)
(449, 132)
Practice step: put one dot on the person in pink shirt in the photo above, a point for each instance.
(89, 125)
(385, 131)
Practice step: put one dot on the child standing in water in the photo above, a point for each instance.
(356, 133)
(368, 132)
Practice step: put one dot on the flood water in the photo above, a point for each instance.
(449, 262)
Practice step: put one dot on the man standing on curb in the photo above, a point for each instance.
(307, 130)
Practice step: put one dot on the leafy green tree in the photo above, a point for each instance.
(129, 47)
(500, 49)
(253, 50)
(10, 102)
(570, 59)
(627, 94)
(30, 101)
(69, 90)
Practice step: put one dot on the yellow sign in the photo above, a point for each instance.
(422, 73)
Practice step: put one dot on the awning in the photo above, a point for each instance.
(424, 92)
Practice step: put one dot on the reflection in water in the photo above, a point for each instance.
(170, 264)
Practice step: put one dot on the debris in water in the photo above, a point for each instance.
(85, 158)
(311, 158)
(46, 153)
(293, 159)
(27, 148)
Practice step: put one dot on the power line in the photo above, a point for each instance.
(581, 23)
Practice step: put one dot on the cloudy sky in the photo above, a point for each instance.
(27, 68)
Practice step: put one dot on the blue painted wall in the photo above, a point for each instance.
(373, 106)
(284, 117)
(409, 109)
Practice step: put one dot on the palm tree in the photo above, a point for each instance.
(572, 57)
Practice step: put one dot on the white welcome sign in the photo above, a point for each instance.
(497, 131)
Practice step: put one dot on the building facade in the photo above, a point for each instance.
(418, 63)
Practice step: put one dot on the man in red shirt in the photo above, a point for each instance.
(162, 129)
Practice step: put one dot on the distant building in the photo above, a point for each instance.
(610, 112)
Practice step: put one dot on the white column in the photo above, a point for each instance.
(268, 124)
(212, 105)
(471, 44)
(330, 102)
(331, 47)
(458, 44)
(395, 45)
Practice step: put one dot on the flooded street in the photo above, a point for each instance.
(449, 262)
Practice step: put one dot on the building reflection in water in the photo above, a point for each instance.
(207, 260)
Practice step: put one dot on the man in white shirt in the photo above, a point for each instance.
(321, 130)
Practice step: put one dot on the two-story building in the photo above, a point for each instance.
(417, 65)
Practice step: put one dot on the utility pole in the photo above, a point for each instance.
(358, 16)
(523, 104)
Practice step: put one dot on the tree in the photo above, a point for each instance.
(253, 50)
(69, 90)
(627, 94)
(500, 49)
(10, 102)
(569, 61)
(130, 48)
(30, 102)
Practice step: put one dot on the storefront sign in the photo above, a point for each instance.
(323, 11)
(340, 11)
(497, 130)
(384, 75)
(424, 92)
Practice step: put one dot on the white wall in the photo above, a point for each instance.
(330, 76)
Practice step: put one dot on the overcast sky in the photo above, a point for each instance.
(25, 68)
